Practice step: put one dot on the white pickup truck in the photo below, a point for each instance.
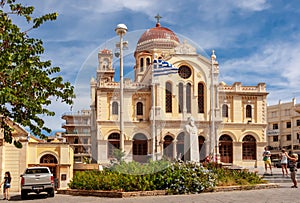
(37, 180)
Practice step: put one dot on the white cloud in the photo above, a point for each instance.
(253, 5)
(221, 11)
(277, 65)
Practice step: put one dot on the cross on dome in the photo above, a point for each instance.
(158, 17)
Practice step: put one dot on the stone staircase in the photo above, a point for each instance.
(276, 178)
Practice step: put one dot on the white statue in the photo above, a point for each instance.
(191, 143)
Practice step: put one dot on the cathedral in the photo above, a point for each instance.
(172, 83)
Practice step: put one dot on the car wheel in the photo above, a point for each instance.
(23, 195)
(51, 193)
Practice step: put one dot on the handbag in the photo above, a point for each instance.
(265, 158)
(293, 169)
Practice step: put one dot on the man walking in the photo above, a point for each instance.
(267, 160)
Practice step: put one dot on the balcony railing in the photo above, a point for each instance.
(80, 144)
(82, 154)
(82, 123)
(78, 113)
(76, 135)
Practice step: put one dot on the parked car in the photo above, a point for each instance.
(37, 180)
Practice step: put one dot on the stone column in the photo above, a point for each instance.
(174, 149)
(184, 110)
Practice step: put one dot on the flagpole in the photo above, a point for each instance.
(153, 116)
(212, 94)
(159, 68)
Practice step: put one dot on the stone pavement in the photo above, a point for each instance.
(284, 193)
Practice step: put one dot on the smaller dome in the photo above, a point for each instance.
(105, 51)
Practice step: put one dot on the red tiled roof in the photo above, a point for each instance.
(158, 33)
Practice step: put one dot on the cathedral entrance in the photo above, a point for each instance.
(202, 151)
(168, 146)
(180, 146)
(225, 149)
(140, 148)
(113, 143)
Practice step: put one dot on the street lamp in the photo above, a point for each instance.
(121, 30)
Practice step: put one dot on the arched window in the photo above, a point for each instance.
(249, 148)
(148, 61)
(168, 146)
(200, 98)
(47, 159)
(140, 148)
(188, 97)
(115, 108)
(168, 97)
(180, 97)
(202, 151)
(180, 146)
(141, 64)
(113, 143)
(226, 149)
(248, 111)
(225, 111)
(139, 109)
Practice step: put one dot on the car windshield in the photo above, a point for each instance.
(37, 170)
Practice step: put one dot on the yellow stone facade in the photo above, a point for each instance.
(231, 119)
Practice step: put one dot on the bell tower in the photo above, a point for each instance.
(105, 71)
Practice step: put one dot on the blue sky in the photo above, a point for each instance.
(255, 41)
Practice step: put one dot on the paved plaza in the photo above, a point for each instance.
(284, 193)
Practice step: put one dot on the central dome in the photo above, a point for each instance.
(157, 37)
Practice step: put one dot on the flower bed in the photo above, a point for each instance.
(172, 177)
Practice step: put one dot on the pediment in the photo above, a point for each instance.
(185, 48)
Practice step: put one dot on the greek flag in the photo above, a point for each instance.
(161, 67)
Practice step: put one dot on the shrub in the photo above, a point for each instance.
(187, 177)
(226, 176)
(175, 177)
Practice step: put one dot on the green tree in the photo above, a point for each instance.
(27, 83)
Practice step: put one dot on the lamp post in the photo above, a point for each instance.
(121, 30)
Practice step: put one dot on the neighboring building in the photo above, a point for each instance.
(78, 135)
(231, 119)
(13, 159)
(283, 127)
(58, 156)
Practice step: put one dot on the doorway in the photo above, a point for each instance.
(225, 149)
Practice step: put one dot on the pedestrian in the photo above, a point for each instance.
(284, 162)
(293, 168)
(6, 185)
(267, 160)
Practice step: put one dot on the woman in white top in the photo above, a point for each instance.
(284, 162)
